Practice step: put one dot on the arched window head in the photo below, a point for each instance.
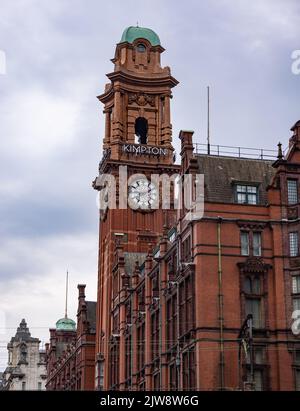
(141, 129)
(141, 48)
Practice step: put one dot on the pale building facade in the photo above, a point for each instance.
(26, 369)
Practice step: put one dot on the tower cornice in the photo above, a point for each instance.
(127, 79)
(140, 79)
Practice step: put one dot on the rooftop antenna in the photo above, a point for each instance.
(66, 307)
(208, 122)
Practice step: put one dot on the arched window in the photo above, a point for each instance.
(252, 285)
(23, 353)
(141, 129)
(141, 48)
(256, 286)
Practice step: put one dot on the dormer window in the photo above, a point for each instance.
(141, 48)
(246, 194)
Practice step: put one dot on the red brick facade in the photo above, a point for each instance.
(169, 318)
(70, 355)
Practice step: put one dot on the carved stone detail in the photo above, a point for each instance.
(254, 265)
(251, 225)
(141, 99)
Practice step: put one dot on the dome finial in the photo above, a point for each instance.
(130, 34)
(65, 323)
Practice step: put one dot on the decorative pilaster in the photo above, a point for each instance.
(163, 247)
(124, 283)
(166, 126)
(117, 123)
(106, 141)
(148, 301)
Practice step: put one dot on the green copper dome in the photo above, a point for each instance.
(132, 33)
(66, 324)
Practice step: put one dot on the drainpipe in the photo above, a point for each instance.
(220, 298)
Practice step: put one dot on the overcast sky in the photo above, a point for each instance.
(51, 124)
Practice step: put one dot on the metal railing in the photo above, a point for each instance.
(231, 151)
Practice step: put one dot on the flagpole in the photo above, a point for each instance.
(208, 121)
(66, 307)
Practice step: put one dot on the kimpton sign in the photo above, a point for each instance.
(141, 149)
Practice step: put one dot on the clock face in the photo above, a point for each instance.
(142, 194)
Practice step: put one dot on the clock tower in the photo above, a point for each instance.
(138, 135)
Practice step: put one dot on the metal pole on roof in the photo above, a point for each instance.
(208, 122)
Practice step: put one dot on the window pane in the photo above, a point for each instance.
(247, 285)
(251, 189)
(257, 244)
(241, 198)
(258, 379)
(296, 284)
(256, 311)
(244, 243)
(252, 199)
(141, 48)
(246, 194)
(293, 244)
(253, 306)
(296, 304)
(259, 355)
(256, 286)
(292, 191)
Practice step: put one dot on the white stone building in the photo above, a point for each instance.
(26, 368)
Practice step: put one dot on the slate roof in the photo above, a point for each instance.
(221, 174)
